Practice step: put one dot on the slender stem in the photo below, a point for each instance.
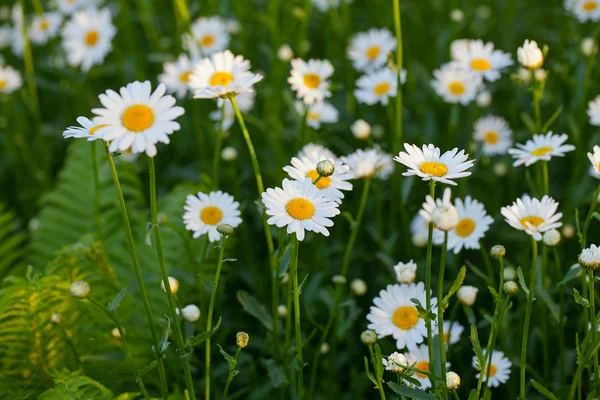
(544, 315)
(302, 128)
(488, 264)
(356, 226)
(440, 296)
(532, 279)
(138, 273)
(297, 329)
(111, 315)
(211, 305)
(37, 6)
(182, 15)
(379, 383)
(231, 370)
(593, 327)
(428, 276)
(97, 219)
(165, 278)
(561, 326)
(537, 97)
(29, 70)
(217, 151)
(545, 177)
(588, 218)
(398, 28)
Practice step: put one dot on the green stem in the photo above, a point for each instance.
(593, 328)
(428, 276)
(29, 70)
(138, 379)
(165, 278)
(440, 296)
(398, 28)
(545, 177)
(231, 370)
(561, 327)
(588, 218)
(375, 362)
(532, 279)
(37, 6)
(355, 227)
(488, 264)
(182, 15)
(217, 151)
(211, 305)
(302, 128)
(97, 219)
(138, 273)
(297, 329)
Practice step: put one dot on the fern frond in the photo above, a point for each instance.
(12, 241)
(75, 386)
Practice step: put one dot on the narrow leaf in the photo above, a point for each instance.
(579, 299)
(543, 391)
(411, 393)
(147, 368)
(522, 281)
(229, 358)
(457, 283)
(202, 337)
(112, 306)
(253, 307)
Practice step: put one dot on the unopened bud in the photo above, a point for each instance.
(358, 287)
(498, 251)
(282, 311)
(241, 339)
(173, 284)
(225, 229)
(325, 168)
(80, 289)
(510, 288)
(368, 337)
(324, 348)
(339, 280)
(452, 380)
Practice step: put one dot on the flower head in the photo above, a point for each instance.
(369, 163)
(481, 59)
(316, 150)
(440, 212)
(80, 289)
(68, 7)
(595, 161)
(176, 75)
(45, 27)
(593, 111)
(10, 79)
(205, 212)
(361, 129)
(419, 357)
(452, 332)
(318, 113)
(208, 36)
(590, 258)
(396, 362)
(541, 147)
(530, 56)
(369, 50)
(378, 86)
(310, 79)
(533, 216)
(455, 85)
(173, 284)
(87, 130)
(494, 134)
(191, 312)
(497, 371)
(584, 10)
(467, 295)
(452, 380)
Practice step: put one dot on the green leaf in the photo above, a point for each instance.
(457, 284)
(473, 395)
(112, 306)
(411, 393)
(253, 307)
(275, 372)
(580, 299)
(571, 274)
(552, 306)
(147, 368)
(149, 229)
(552, 118)
(229, 358)
(528, 121)
(596, 215)
(476, 345)
(522, 280)
(201, 337)
(543, 391)
(378, 363)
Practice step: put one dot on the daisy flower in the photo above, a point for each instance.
(87, 37)
(209, 35)
(378, 86)
(419, 228)
(317, 113)
(136, 118)
(368, 163)
(245, 102)
(498, 370)
(541, 147)
(405, 272)
(590, 258)
(300, 206)
(325, 5)
(176, 75)
(395, 314)
(473, 223)
(330, 187)
(222, 75)
(68, 7)
(419, 357)
(10, 79)
(584, 10)
(593, 111)
(532, 215)
(44, 27)
(204, 212)
(310, 79)
(529, 55)
(318, 150)
(482, 59)
(456, 85)
(87, 130)
(452, 332)
(440, 212)
(595, 160)
(369, 50)
(427, 163)
(494, 134)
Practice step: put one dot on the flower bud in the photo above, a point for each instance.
(530, 56)
(588, 47)
(241, 339)
(510, 274)
(452, 380)
(368, 337)
(406, 272)
(457, 15)
(484, 99)
(500, 169)
(498, 251)
(419, 240)
(361, 129)
(540, 74)
(80, 289)
(285, 53)
(551, 238)
(445, 218)
(325, 168)
(282, 311)
(229, 153)
(358, 287)
(396, 362)
(191, 312)
(225, 229)
(467, 295)
(324, 348)
(115, 333)
(590, 258)
(55, 318)
(568, 231)
(338, 280)
(510, 288)
(173, 283)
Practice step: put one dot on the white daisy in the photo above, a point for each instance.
(222, 75)
(590, 258)
(87, 37)
(494, 134)
(419, 228)
(44, 27)
(498, 370)
(405, 272)
(209, 35)
(593, 111)
(378, 86)
(419, 357)
(137, 118)
(310, 79)
(473, 223)
(452, 332)
(595, 160)
(369, 50)
(176, 75)
(541, 147)
(440, 212)
(317, 113)
(368, 163)
(6, 34)
(300, 206)
(458, 47)
(330, 187)
(532, 215)
(245, 102)
(319, 151)
(325, 5)
(204, 212)
(530, 55)
(395, 314)
(482, 59)
(427, 163)
(87, 130)
(10, 79)
(68, 7)
(455, 85)
(584, 10)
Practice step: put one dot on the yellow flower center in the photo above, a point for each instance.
(211, 215)
(312, 81)
(93, 129)
(138, 117)
(541, 151)
(597, 166)
(373, 52)
(590, 6)
(221, 78)
(91, 38)
(492, 370)
(446, 337)
(44, 25)
(491, 137)
(465, 227)
(405, 317)
(323, 183)
(423, 366)
(314, 115)
(185, 77)
(481, 64)
(300, 209)
(3, 84)
(433, 168)
(456, 88)
(207, 40)
(382, 88)
(532, 220)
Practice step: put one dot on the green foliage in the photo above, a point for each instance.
(75, 386)
(12, 241)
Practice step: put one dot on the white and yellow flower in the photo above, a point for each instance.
(222, 75)
(369, 163)
(317, 113)
(330, 187)
(595, 160)
(87, 37)
(176, 75)
(456, 85)
(300, 206)
(316, 150)
(419, 357)
(533, 216)
(204, 212)
(428, 164)
(137, 118)
(497, 371)
(593, 111)
(45, 27)
(452, 332)
(584, 10)
(68, 7)
(310, 80)
(481, 58)
(395, 314)
(440, 212)
(87, 130)
(540, 148)
(369, 50)
(245, 102)
(378, 86)
(10, 79)
(494, 134)
(209, 35)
